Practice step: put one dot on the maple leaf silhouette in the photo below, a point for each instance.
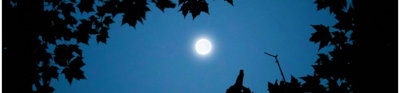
(345, 20)
(73, 70)
(134, 10)
(193, 6)
(322, 35)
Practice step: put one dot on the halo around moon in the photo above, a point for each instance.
(203, 46)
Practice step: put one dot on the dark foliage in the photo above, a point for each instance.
(364, 54)
(162, 4)
(193, 6)
(30, 26)
(285, 87)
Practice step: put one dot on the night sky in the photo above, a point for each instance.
(158, 56)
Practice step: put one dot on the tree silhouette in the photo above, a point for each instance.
(31, 26)
(238, 86)
(364, 54)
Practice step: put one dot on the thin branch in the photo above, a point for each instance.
(277, 61)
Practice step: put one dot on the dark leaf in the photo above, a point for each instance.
(162, 4)
(77, 63)
(49, 72)
(108, 20)
(57, 27)
(322, 35)
(74, 70)
(134, 10)
(345, 20)
(86, 5)
(83, 31)
(193, 6)
(111, 6)
(64, 53)
(229, 1)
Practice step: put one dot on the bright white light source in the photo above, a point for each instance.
(203, 46)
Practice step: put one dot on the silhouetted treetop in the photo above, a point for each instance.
(238, 86)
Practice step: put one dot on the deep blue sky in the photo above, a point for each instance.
(158, 56)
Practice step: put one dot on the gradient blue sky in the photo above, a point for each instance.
(158, 56)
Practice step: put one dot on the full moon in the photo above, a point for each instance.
(203, 46)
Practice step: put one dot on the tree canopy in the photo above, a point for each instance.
(363, 55)
(31, 26)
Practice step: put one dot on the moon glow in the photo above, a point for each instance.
(203, 46)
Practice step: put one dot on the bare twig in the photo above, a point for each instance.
(276, 60)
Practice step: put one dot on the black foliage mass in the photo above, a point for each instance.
(363, 58)
(285, 87)
(30, 27)
(86, 5)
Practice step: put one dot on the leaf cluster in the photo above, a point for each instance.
(337, 65)
(56, 25)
